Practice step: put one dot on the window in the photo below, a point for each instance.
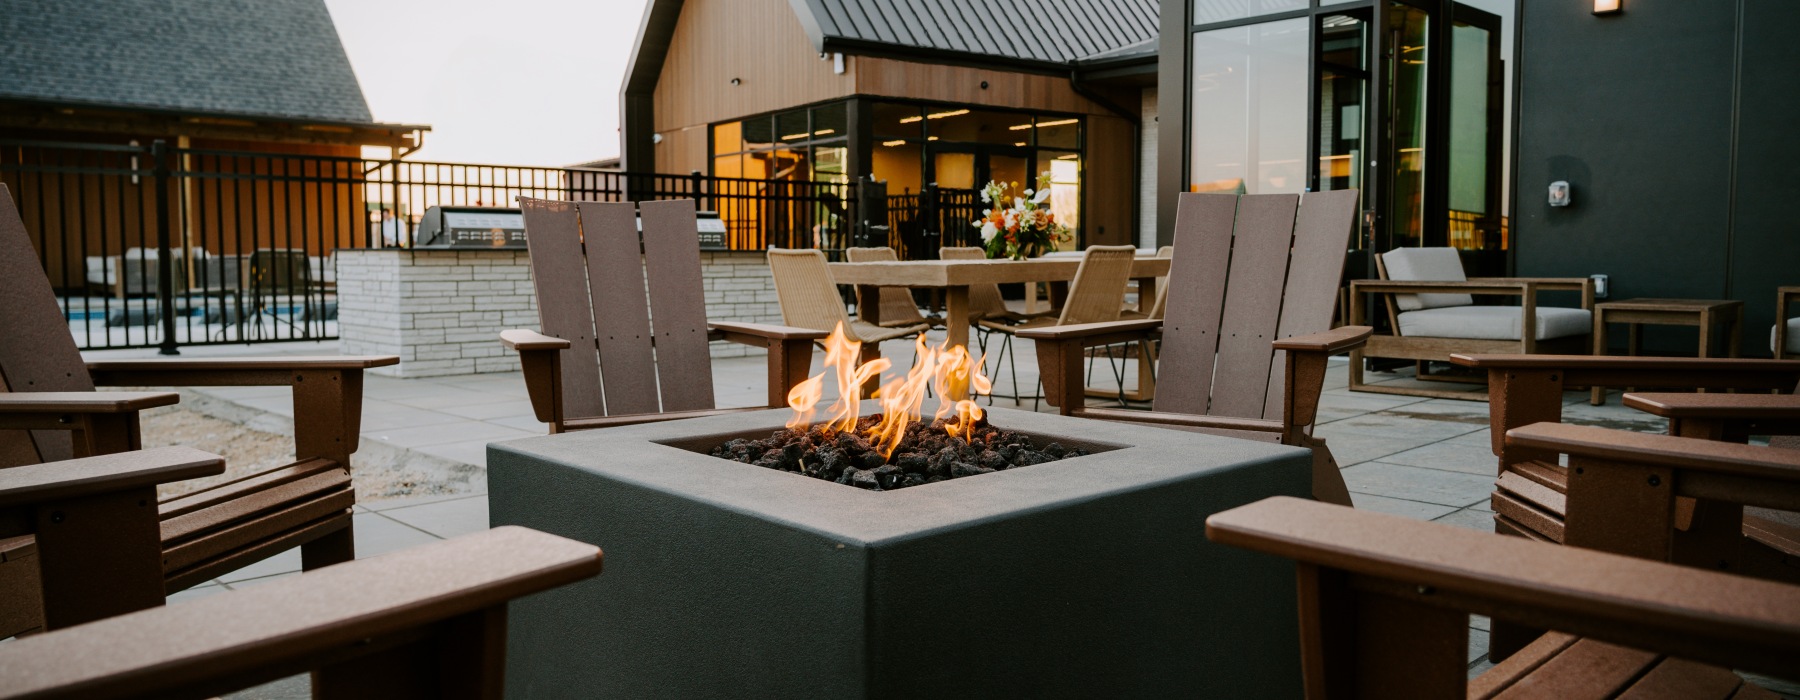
(1249, 115)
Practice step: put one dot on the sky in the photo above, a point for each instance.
(526, 82)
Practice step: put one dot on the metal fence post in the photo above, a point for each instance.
(165, 263)
(696, 182)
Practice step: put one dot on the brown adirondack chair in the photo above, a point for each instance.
(49, 391)
(591, 269)
(1385, 604)
(1246, 327)
(1530, 494)
(426, 622)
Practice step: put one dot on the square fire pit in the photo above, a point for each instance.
(1084, 577)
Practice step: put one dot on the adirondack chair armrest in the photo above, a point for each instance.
(1088, 331)
(523, 340)
(1778, 469)
(446, 599)
(42, 402)
(1783, 407)
(226, 371)
(1498, 287)
(1735, 621)
(760, 334)
(87, 476)
(1337, 340)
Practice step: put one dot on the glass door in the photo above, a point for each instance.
(1440, 137)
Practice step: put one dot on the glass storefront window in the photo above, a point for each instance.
(758, 132)
(898, 121)
(979, 126)
(792, 127)
(1407, 91)
(728, 137)
(1059, 132)
(1343, 90)
(830, 121)
(1249, 128)
(1209, 11)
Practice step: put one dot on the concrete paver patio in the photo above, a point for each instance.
(1428, 459)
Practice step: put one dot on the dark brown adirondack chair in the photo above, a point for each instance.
(427, 622)
(1246, 328)
(49, 391)
(1385, 604)
(590, 270)
(1530, 495)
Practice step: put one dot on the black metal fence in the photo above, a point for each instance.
(245, 240)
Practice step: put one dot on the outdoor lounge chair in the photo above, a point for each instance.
(1246, 329)
(1530, 495)
(426, 622)
(897, 307)
(591, 272)
(809, 299)
(1385, 604)
(1432, 313)
(49, 391)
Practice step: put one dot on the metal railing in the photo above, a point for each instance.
(159, 246)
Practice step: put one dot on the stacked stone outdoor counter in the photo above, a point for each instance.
(1084, 577)
(442, 311)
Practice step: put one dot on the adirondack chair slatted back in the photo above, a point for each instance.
(1247, 271)
(589, 269)
(38, 352)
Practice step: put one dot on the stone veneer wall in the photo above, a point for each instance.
(442, 311)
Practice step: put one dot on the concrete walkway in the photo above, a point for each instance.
(1428, 459)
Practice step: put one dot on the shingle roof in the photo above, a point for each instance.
(274, 58)
(1056, 32)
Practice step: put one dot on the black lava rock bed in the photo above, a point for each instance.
(927, 454)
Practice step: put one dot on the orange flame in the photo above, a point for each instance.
(947, 371)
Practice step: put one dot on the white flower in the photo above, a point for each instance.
(1011, 219)
(984, 196)
(1018, 202)
(988, 231)
(1028, 192)
(1042, 195)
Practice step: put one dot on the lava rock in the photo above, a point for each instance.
(863, 479)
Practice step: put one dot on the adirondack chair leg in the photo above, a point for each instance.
(1327, 476)
(99, 556)
(107, 433)
(334, 548)
(1367, 639)
(1060, 364)
(22, 590)
(789, 363)
(463, 657)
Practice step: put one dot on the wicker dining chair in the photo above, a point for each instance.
(898, 310)
(1097, 295)
(809, 299)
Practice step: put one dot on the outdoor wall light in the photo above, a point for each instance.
(736, 81)
(1606, 7)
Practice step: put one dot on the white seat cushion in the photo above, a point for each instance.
(1426, 265)
(1494, 322)
(1793, 336)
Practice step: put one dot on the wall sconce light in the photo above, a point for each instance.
(1607, 7)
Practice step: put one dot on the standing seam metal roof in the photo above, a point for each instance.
(1033, 31)
(273, 58)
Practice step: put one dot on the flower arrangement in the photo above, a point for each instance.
(1025, 229)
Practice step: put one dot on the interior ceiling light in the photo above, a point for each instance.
(895, 142)
(911, 120)
(941, 115)
(823, 132)
(1606, 7)
(1040, 125)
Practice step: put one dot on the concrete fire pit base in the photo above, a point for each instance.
(1086, 577)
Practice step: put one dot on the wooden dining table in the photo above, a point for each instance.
(955, 277)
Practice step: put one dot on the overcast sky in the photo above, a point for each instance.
(527, 82)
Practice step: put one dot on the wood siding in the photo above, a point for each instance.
(759, 42)
(962, 85)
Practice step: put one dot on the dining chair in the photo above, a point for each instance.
(809, 299)
(1096, 295)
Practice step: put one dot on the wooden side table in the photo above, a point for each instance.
(1704, 313)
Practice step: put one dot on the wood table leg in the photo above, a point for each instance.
(1146, 289)
(1706, 334)
(956, 322)
(870, 312)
